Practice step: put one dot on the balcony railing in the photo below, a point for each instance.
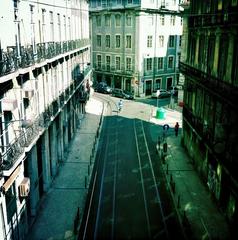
(10, 61)
(205, 132)
(225, 89)
(212, 20)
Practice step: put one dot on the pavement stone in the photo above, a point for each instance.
(190, 194)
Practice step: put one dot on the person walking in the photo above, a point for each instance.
(120, 105)
(176, 128)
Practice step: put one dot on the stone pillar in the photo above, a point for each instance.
(65, 128)
(53, 149)
(33, 175)
(46, 161)
(60, 138)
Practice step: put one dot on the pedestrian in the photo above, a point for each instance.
(120, 105)
(176, 128)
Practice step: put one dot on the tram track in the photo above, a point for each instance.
(125, 197)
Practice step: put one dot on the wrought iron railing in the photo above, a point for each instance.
(211, 20)
(225, 89)
(10, 60)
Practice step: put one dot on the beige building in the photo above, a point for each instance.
(44, 70)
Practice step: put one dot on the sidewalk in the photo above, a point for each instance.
(66, 198)
(190, 195)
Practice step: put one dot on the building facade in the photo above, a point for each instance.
(44, 84)
(210, 110)
(136, 44)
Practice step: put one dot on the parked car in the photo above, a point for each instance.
(116, 92)
(103, 88)
(173, 91)
(162, 93)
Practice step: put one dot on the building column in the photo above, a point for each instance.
(46, 161)
(65, 128)
(60, 138)
(53, 149)
(33, 175)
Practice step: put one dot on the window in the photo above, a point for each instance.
(118, 20)
(107, 20)
(149, 64)
(157, 83)
(99, 40)
(172, 20)
(59, 26)
(107, 41)
(108, 62)
(235, 64)
(99, 61)
(149, 41)
(51, 26)
(129, 1)
(162, 20)
(128, 20)
(170, 62)
(118, 63)
(118, 41)
(128, 41)
(161, 41)
(171, 41)
(98, 21)
(180, 41)
(128, 64)
(160, 63)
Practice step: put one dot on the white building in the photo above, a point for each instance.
(136, 43)
(44, 75)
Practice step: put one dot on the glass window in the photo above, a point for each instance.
(128, 63)
(99, 40)
(118, 41)
(129, 1)
(162, 20)
(98, 21)
(128, 41)
(107, 20)
(172, 20)
(118, 20)
(171, 41)
(161, 41)
(99, 61)
(149, 41)
(108, 62)
(149, 64)
(108, 41)
(118, 63)
(170, 62)
(128, 20)
(160, 63)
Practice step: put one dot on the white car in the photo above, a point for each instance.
(161, 94)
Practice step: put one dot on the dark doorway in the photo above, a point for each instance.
(148, 89)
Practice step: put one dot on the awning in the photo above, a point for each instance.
(11, 180)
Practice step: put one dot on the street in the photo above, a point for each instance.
(128, 198)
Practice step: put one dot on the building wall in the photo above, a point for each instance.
(210, 111)
(44, 70)
(145, 21)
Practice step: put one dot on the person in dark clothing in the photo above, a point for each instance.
(176, 128)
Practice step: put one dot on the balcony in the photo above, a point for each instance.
(223, 89)
(10, 61)
(197, 123)
(211, 20)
